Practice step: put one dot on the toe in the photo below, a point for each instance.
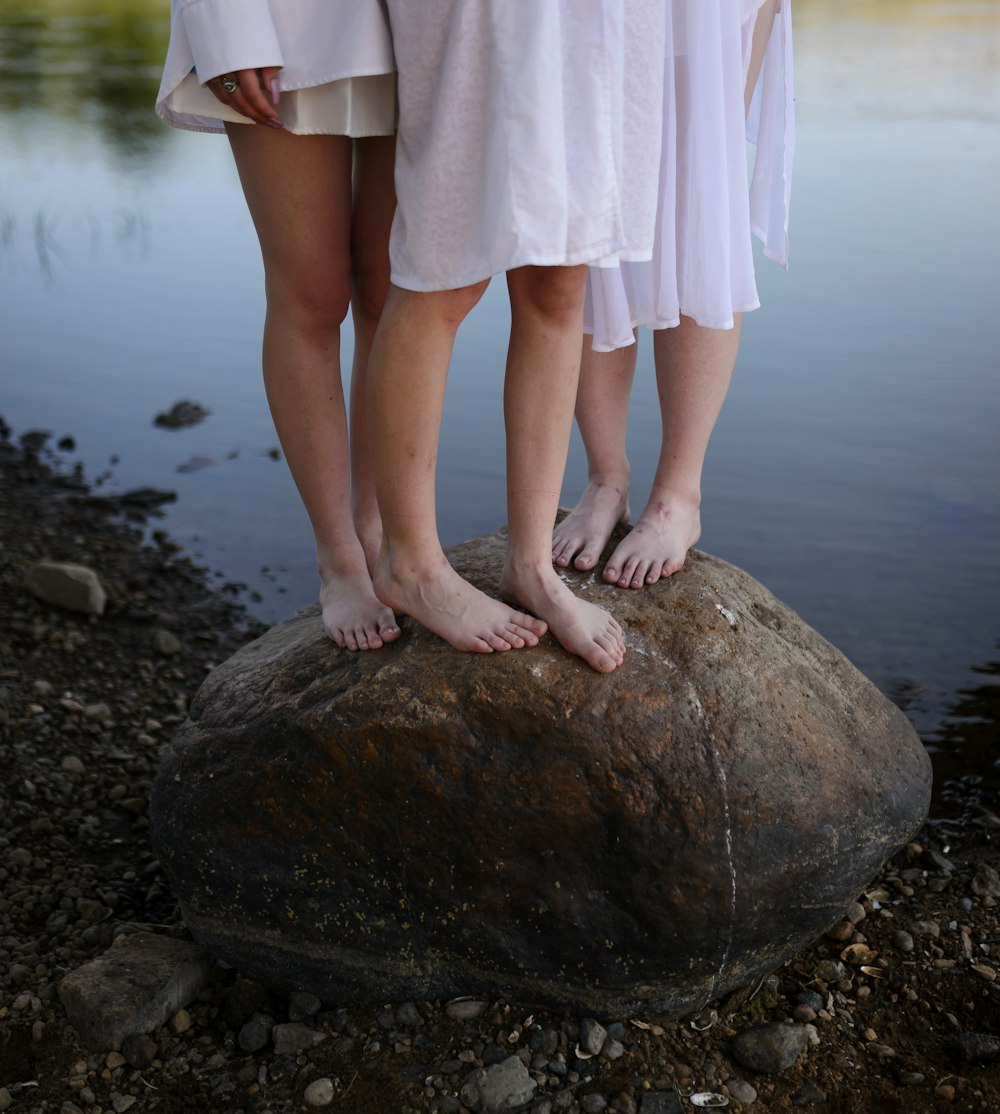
(587, 560)
(527, 637)
(611, 573)
(510, 634)
(335, 634)
(350, 639)
(628, 572)
(639, 574)
(372, 637)
(496, 642)
(654, 573)
(389, 633)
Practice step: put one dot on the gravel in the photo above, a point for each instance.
(86, 703)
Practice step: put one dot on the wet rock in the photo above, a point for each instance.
(166, 643)
(976, 1048)
(640, 840)
(74, 587)
(769, 1048)
(502, 1086)
(181, 415)
(135, 986)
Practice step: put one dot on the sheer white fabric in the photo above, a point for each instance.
(702, 263)
(316, 42)
(528, 134)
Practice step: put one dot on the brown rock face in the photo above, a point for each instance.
(416, 823)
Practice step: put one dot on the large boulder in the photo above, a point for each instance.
(417, 823)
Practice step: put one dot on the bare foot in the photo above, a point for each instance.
(353, 616)
(582, 628)
(657, 545)
(584, 532)
(451, 607)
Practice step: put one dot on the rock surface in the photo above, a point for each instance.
(136, 985)
(418, 823)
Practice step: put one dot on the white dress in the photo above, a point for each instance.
(529, 133)
(702, 264)
(337, 67)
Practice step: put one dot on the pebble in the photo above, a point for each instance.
(180, 1022)
(466, 1009)
(319, 1093)
(976, 1048)
(807, 1094)
(293, 1037)
(139, 1050)
(114, 1060)
(986, 881)
(742, 1091)
(902, 941)
(612, 1050)
(409, 1016)
(502, 1086)
(5, 1099)
(592, 1036)
(302, 1005)
(770, 1048)
(927, 928)
(254, 1035)
(593, 1104)
(166, 643)
(121, 1103)
(661, 1102)
(911, 1078)
(72, 764)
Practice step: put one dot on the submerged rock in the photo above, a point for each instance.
(416, 823)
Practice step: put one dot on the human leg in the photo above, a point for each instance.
(406, 381)
(694, 366)
(298, 189)
(602, 417)
(540, 389)
(374, 202)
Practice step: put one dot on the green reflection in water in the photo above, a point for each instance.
(95, 62)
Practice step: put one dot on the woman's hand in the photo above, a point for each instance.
(253, 93)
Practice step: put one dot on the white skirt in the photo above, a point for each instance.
(702, 264)
(528, 134)
(353, 106)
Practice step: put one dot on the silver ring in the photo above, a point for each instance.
(229, 83)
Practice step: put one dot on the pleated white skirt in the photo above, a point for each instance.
(702, 262)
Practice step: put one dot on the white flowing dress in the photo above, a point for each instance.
(529, 133)
(337, 68)
(702, 263)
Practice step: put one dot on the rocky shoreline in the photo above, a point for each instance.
(896, 1008)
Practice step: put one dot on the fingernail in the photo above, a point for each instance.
(275, 91)
(275, 124)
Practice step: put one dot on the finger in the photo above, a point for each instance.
(215, 88)
(269, 79)
(257, 97)
(238, 100)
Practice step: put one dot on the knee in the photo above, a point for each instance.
(554, 293)
(317, 303)
(369, 286)
(453, 306)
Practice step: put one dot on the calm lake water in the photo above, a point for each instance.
(855, 467)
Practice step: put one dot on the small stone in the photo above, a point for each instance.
(769, 1048)
(985, 971)
(945, 1091)
(503, 1086)
(593, 1104)
(121, 1103)
(133, 987)
(74, 587)
(302, 1005)
(71, 764)
(97, 713)
(166, 643)
(612, 1050)
(409, 1016)
(66, 1108)
(42, 688)
(927, 928)
(911, 1078)
(841, 931)
(5, 1099)
(829, 970)
(293, 1038)
(932, 859)
(976, 1048)
(884, 1051)
(114, 1060)
(319, 1093)
(807, 1094)
(809, 998)
(660, 1102)
(986, 881)
(139, 1050)
(855, 912)
(742, 1091)
(902, 941)
(466, 1009)
(803, 1013)
(254, 1035)
(592, 1036)
(180, 1022)
(239, 1002)
(20, 856)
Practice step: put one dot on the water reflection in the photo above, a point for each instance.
(853, 470)
(94, 63)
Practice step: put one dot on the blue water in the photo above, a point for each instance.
(854, 470)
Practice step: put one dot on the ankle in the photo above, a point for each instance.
(617, 478)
